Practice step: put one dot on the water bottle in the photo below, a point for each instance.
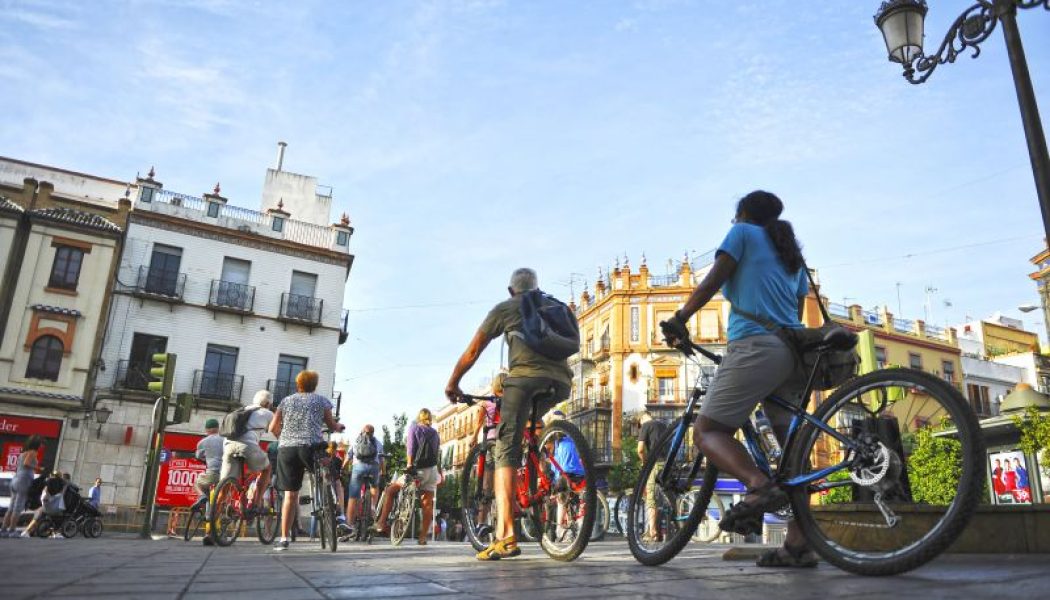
(767, 438)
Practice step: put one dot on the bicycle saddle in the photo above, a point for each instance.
(840, 338)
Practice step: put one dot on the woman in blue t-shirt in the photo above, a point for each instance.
(759, 269)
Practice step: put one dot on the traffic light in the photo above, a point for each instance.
(183, 409)
(163, 371)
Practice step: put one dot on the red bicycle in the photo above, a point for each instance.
(558, 506)
(231, 508)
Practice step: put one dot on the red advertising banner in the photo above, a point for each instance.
(26, 426)
(178, 473)
(10, 457)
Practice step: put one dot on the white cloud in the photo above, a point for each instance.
(39, 20)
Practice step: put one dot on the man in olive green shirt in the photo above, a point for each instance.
(533, 379)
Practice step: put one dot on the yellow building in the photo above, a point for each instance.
(999, 336)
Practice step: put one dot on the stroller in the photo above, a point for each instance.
(78, 515)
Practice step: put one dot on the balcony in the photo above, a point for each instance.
(663, 280)
(223, 389)
(301, 309)
(601, 352)
(280, 389)
(231, 297)
(132, 376)
(344, 332)
(158, 284)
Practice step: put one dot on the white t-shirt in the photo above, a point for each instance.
(258, 422)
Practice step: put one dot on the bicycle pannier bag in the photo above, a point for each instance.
(548, 326)
(365, 449)
(235, 424)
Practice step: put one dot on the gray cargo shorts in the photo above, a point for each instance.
(519, 395)
(753, 369)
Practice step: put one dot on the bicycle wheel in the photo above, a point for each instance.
(707, 530)
(477, 500)
(268, 520)
(601, 519)
(909, 485)
(568, 509)
(328, 512)
(194, 522)
(659, 522)
(620, 509)
(93, 527)
(227, 512)
(406, 506)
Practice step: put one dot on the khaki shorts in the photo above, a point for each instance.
(651, 487)
(519, 396)
(753, 369)
(428, 479)
(206, 480)
(254, 456)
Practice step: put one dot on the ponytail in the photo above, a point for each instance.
(763, 209)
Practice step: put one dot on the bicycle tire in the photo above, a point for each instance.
(227, 512)
(473, 497)
(194, 522)
(957, 516)
(674, 541)
(589, 498)
(269, 521)
(620, 513)
(406, 506)
(601, 518)
(328, 512)
(707, 529)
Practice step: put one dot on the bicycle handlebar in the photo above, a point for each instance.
(688, 351)
(470, 399)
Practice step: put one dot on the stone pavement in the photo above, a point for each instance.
(115, 567)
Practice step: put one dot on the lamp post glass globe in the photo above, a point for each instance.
(901, 23)
(102, 415)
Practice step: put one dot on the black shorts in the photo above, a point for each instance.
(292, 463)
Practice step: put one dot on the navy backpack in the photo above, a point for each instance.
(548, 326)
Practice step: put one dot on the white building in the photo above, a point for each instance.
(987, 383)
(246, 299)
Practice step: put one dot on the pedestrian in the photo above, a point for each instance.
(27, 462)
(95, 493)
(532, 380)
(421, 454)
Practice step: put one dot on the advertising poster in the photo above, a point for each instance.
(10, 457)
(1010, 479)
(178, 470)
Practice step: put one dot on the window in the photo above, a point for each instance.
(65, 271)
(213, 209)
(287, 369)
(342, 238)
(277, 224)
(147, 193)
(948, 371)
(915, 361)
(220, 365)
(45, 358)
(163, 277)
(301, 303)
(880, 357)
(136, 375)
(709, 329)
(978, 396)
(605, 339)
(666, 389)
(636, 326)
(234, 290)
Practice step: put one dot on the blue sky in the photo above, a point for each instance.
(468, 138)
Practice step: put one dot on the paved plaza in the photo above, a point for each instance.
(115, 567)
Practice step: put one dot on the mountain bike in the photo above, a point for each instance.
(854, 492)
(322, 498)
(231, 505)
(404, 511)
(557, 506)
(365, 518)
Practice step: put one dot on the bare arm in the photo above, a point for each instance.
(277, 423)
(465, 362)
(641, 451)
(723, 269)
(330, 421)
(480, 409)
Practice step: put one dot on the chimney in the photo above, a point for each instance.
(280, 154)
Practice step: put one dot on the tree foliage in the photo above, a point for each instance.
(624, 474)
(934, 467)
(394, 445)
(838, 495)
(447, 499)
(1035, 433)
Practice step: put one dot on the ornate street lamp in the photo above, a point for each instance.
(901, 23)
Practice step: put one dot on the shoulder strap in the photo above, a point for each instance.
(763, 321)
(816, 292)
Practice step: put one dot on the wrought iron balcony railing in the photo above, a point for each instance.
(161, 284)
(132, 375)
(301, 309)
(230, 296)
(280, 389)
(224, 387)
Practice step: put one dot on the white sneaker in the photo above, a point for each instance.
(25, 534)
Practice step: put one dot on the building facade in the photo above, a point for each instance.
(61, 235)
(245, 298)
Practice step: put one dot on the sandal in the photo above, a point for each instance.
(745, 517)
(505, 548)
(786, 556)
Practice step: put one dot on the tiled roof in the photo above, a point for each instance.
(76, 217)
(7, 206)
(58, 310)
(39, 394)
